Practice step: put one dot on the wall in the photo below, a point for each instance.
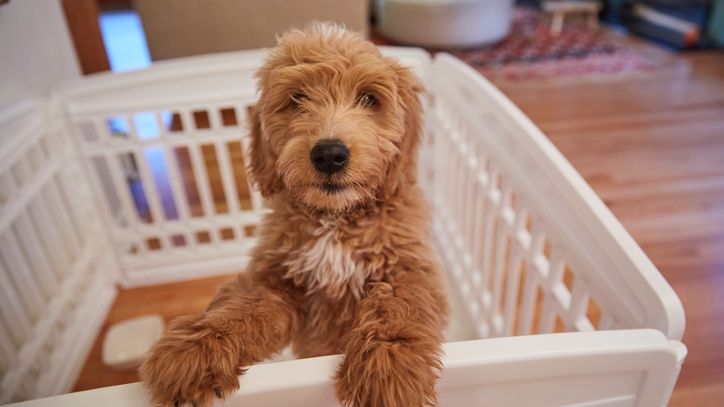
(35, 49)
(178, 28)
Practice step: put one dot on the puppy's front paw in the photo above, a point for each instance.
(191, 364)
(387, 374)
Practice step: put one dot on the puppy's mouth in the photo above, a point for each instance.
(331, 187)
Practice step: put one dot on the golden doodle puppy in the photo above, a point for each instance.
(344, 263)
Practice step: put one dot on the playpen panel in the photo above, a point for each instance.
(173, 178)
(511, 260)
(46, 223)
(167, 147)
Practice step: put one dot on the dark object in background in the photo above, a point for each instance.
(678, 23)
(715, 28)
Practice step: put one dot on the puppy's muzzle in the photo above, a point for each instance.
(329, 156)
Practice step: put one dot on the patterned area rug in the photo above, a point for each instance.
(532, 52)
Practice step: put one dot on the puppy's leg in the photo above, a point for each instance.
(392, 353)
(201, 356)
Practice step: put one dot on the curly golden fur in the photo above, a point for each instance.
(344, 264)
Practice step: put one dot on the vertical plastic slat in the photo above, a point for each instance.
(22, 171)
(149, 186)
(202, 181)
(111, 158)
(511, 290)
(60, 216)
(579, 300)
(459, 160)
(536, 242)
(227, 178)
(122, 190)
(491, 203)
(14, 312)
(547, 319)
(444, 159)
(50, 235)
(73, 213)
(162, 129)
(177, 188)
(224, 163)
(439, 154)
(21, 275)
(501, 248)
(455, 181)
(178, 191)
(198, 167)
(214, 118)
(478, 220)
(40, 267)
(466, 197)
(515, 265)
(527, 307)
(8, 353)
(187, 122)
(7, 188)
(470, 163)
(132, 133)
(472, 203)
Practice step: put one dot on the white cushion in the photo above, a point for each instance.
(444, 23)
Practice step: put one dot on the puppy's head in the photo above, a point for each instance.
(337, 124)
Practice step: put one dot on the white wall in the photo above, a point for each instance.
(35, 49)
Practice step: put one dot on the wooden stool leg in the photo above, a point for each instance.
(592, 21)
(557, 23)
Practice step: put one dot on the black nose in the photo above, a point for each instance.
(329, 156)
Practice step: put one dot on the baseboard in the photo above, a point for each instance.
(183, 272)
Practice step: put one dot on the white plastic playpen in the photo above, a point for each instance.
(137, 178)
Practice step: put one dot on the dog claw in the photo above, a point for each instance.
(219, 393)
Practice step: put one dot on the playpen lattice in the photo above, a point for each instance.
(139, 178)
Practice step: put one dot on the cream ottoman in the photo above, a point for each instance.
(444, 23)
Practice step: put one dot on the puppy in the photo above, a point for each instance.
(344, 263)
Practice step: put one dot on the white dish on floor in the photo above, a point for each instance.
(127, 342)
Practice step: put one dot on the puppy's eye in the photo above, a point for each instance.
(297, 98)
(367, 100)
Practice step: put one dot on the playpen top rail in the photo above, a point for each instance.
(631, 365)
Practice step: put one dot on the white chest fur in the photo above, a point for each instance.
(327, 264)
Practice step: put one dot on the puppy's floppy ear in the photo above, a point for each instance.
(262, 169)
(409, 89)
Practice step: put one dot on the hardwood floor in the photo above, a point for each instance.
(653, 149)
(169, 300)
(652, 146)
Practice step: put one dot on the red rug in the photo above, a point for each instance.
(531, 52)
